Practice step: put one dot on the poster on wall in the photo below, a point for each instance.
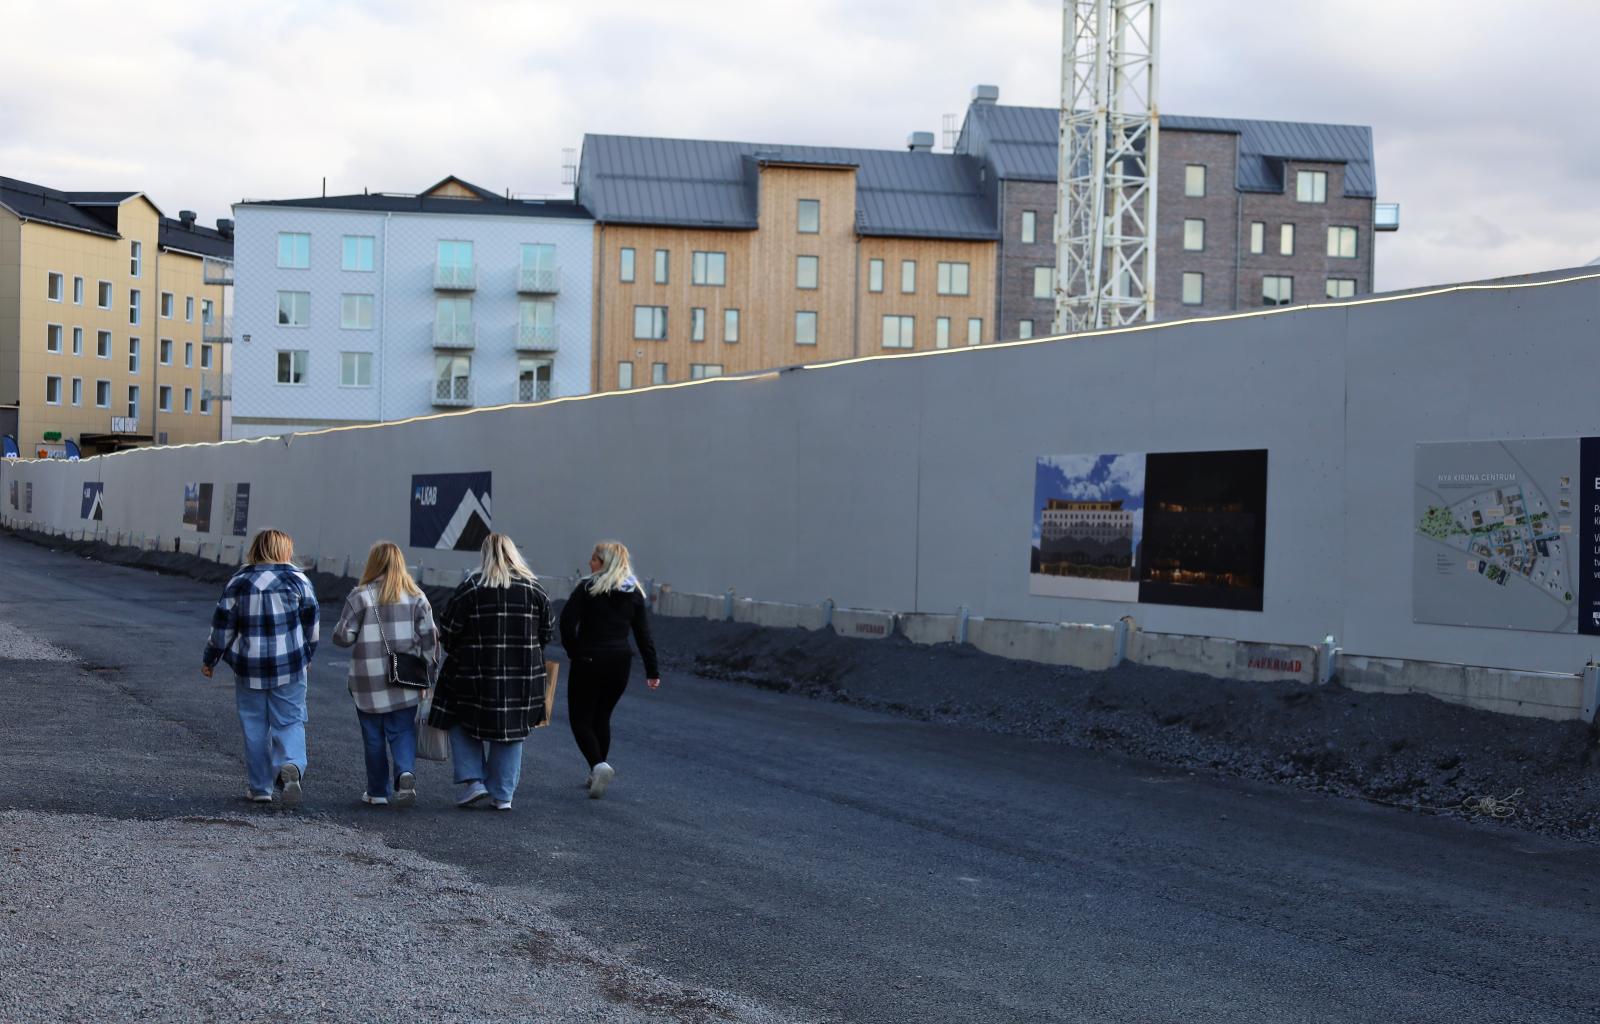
(1507, 535)
(27, 497)
(197, 508)
(92, 509)
(1184, 528)
(13, 495)
(450, 511)
(241, 510)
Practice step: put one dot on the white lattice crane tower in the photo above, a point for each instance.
(1106, 186)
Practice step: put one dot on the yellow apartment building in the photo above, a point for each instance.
(112, 322)
(727, 257)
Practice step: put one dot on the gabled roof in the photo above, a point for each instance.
(1022, 143)
(196, 239)
(389, 202)
(92, 212)
(451, 179)
(626, 179)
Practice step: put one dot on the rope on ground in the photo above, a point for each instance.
(1487, 806)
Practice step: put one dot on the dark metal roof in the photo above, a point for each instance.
(1021, 143)
(93, 212)
(625, 179)
(490, 205)
(195, 238)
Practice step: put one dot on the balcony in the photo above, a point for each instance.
(217, 387)
(454, 334)
(533, 390)
(539, 280)
(536, 337)
(214, 271)
(452, 277)
(456, 391)
(217, 330)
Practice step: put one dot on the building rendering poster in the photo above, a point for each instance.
(197, 508)
(1507, 535)
(450, 511)
(1185, 528)
(241, 510)
(93, 493)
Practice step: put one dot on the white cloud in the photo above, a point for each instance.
(1071, 466)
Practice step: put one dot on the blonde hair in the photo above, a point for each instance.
(271, 547)
(502, 562)
(387, 562)
(616, 568)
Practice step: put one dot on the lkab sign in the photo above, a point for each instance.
(124, 424)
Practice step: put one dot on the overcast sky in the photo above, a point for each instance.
(1481, 111)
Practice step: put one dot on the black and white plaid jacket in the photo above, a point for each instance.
(492, 683)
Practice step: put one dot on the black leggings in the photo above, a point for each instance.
(592, 693)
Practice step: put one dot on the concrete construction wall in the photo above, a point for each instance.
(905, 483)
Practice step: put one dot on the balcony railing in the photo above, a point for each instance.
(216, 271)
(539, 280)
(454, 334)
(218, 387)
(454, 391)
(536, 337)
(451, 277)
(219, 330)
(533, 390)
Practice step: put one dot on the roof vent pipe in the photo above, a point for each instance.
(187, 216)
(986, 94)
(920, 142)
(225, 226)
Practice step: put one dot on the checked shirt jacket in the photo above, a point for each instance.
(492, 683)
(265, 626)
(408, 626)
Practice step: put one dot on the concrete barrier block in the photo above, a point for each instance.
(777, 615)
(1050, 643)
(862, 624)
(206, 549)
(558, 588)
(331, 565)
(930, 629)
(231, 554)
(1224, 658)
(682, 605)
(1555, 696)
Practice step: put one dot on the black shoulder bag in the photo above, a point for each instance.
(409, 671)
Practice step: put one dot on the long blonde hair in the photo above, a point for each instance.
(616, 568)
(387, 562)
(502, 562)
(271, 547)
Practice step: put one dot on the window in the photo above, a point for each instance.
(188, 308)
(167, 305)
(625, 265)
(536, 320)
(697, 324)
(55, 286)
(953, 278)
(658, 373)
(205, 357)
(700, 371)
(164, 398)
(455, 262)
(974, 330)
(1044, 282)
(941, 332)
(355, 312)
(1311, 186)
(730, 326)
(357, 253)
(650, 323)
(908, 276)
(52, 390)
(133, 401)
(103, 294)
(661, 266)
(1277, 291)
(292, 366)
(102, 394)
(355, 369)
(188, 355)
(134, 306)
(452, 321)
(1030, 226)
(533, 379)
(809, 216)
(538, 265)
(805, 272)
(1341, 287)
(77, 291)
(52, 338)
(77, 341)
(1194, 180)
(294, 309)
(135, 265)
(294, 250)
(1258, 237)
(1286, 240)
(164, 352)
(205, 311)
(452, 378)
(625, 370)
(1194, 234)
(188, 401)
(805, 328)
(133, 355)
(102, 344)
(1194, 288)
(205, 402)
(1025, 328)
(1342, 243)
(77, 391)
(709, 268)
(874, 275)
(898, 331)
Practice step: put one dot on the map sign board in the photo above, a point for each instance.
(1506, 534)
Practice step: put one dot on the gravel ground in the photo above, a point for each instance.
(276, 918)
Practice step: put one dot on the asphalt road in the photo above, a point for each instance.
(840, 865)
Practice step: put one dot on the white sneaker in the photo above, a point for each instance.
(502, 805)
(289, 779)
(600, 779)
(469, 793)
(405, 790)
(260, 798)
(376, 801)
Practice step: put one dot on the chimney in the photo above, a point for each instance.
(225, 226)
(920, 142)
(187, 216)
(985, 94)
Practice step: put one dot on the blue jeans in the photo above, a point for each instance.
(498, 769)
(381, 734)
(274, 724)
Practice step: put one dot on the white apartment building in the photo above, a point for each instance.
(365, 308)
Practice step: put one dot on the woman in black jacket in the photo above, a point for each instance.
(604, 607)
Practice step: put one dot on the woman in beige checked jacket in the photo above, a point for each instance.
(388, 595)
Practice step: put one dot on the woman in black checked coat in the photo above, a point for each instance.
(490, 694)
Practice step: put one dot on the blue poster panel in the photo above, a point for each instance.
(241, 510)
(93, 492)
(450, 511)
